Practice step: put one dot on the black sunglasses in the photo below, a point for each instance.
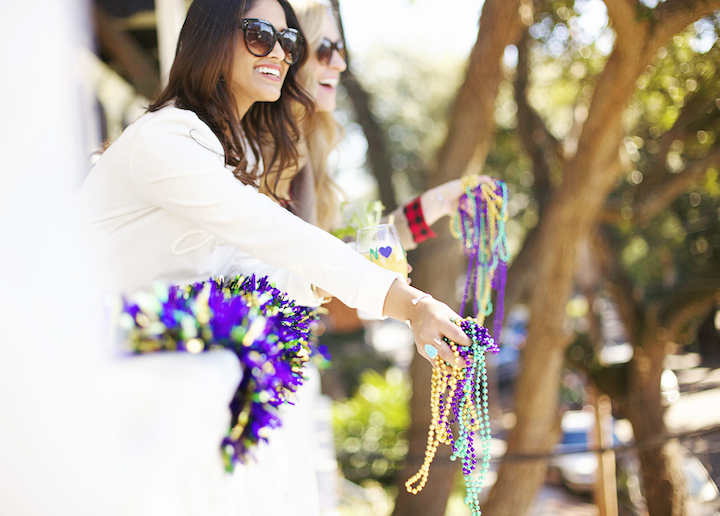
(325, 50)
(261, 36)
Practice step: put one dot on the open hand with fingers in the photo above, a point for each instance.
(429, 319)
(431, 323)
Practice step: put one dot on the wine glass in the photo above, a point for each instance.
(381, 244)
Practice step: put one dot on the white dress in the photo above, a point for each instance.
(160, 205)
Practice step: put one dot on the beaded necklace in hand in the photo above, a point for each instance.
(479, 223)
(460, 392)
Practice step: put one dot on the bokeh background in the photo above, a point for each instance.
(603, 118)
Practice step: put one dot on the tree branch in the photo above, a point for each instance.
(141, 71)
(630, 310)
(637, 43)
(690, 301)
(662, 195)
(539, 143)
(685, 125)
(472, 124)
(522, 275)
(673, 16)
(361, 99)
(377, 150)
(624, 16)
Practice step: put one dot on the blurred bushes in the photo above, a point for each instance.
(370, 427)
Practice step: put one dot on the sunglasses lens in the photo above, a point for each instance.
(324, 51)
(340, 46)
(290, 43)
(259, 38)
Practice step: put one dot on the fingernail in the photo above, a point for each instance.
(438, 342)
(409, 324)
(431, 350)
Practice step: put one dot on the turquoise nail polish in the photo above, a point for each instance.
(431, 350)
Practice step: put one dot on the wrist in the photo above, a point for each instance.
(417, 218)
(432, 208)
(415, 302)
(399, 301)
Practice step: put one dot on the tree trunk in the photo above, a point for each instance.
(472, 122)
(536, 388)
(378, 159)
(663, 479)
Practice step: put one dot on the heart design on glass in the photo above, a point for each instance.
(386, 251)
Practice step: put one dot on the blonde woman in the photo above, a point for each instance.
(310, 192)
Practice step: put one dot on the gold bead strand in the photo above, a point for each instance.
(457, 371)
(438, 386)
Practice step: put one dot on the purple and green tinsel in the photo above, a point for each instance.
(270, 335)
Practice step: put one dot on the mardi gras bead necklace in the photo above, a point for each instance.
(479, 223)
(460, 392)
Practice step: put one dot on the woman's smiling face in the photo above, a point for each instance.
(259, 79)
(326, 76)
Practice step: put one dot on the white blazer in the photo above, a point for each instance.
(161, 205)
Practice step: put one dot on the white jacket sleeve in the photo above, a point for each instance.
(177, 164)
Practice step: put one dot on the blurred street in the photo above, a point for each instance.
(557, 501)
(696, 409)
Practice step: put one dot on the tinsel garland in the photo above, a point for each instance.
(269, 334)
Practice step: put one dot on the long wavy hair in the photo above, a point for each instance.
(200, 81)
(322, 133)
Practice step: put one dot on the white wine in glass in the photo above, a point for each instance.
(381, 244)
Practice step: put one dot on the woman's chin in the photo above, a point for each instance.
(325, 105)
(270, 97)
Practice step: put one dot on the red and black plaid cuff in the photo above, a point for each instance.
(419, 229)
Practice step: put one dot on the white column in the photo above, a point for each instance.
(170, 16)
(53, 445)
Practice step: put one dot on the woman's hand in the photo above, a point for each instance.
(432, 321)
(429, 319)
(441, 200)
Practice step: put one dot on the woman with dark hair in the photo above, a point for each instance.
(176, 199)
(245, 109)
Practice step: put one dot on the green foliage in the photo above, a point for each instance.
(369, 215)
(673, 120)
(370, 427)
(566, 55)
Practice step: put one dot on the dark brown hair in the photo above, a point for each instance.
(200, 80)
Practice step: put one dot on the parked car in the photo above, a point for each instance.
(669, 386)
(513, 340)
(574, 465)
(576, 468)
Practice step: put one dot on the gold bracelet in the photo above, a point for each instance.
(323, 300)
